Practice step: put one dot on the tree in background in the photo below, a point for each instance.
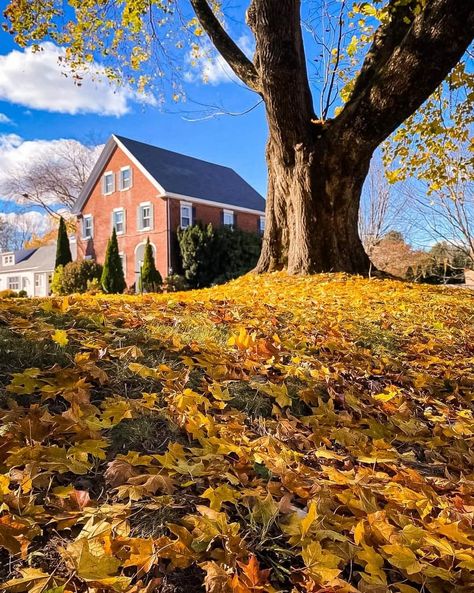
(392, 254)
(319, 157)
(196, 249)
(53, 178)
(211, 256)
(112, 279)
(150, 278)
(63, 249)
(382, 208)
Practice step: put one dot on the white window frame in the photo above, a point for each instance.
(114, 212)
(9, 260)
(123, 258)
(104, 185)
(121, 185)
(140, 225)
(261, 224)
(228, 213)
(13, 280)
(85, 218)
(190, 217)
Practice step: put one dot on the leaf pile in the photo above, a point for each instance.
(273, 434)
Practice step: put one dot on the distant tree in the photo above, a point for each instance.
(392, 254)
(9, 240)
(112, 279)
(150, 278)
(54, 177)
(63, 249)
(381, 208)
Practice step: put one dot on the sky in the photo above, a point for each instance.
(39, 105)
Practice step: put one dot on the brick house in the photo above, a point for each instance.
(145, 191)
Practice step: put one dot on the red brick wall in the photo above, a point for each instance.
(206, 214)
(142, 190)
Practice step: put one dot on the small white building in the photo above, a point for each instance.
(28, 269)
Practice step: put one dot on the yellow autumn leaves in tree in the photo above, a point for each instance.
(273, 434)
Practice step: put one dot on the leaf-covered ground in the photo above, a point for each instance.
(272, 434)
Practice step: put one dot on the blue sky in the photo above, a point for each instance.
(35, 104)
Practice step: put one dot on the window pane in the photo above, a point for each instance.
(14, 283)
(145, 217)
(185, 216)
(228, 218)
(118, 221)
(108, 183)
(125, 177)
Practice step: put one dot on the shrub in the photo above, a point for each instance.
(8, 294)
(211, 256)
(22, 294)
(175, 283)
(57, 281)
(76, 277)
(150, 278)
(63, 249)
(112, 279)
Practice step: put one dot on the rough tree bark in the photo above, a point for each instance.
(316, 169)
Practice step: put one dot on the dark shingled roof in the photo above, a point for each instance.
(188, 176)
(23, 254)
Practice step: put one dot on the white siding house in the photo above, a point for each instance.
(29, 269)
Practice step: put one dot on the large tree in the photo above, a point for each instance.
(316, 165)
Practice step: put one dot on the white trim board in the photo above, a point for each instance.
(229, 207)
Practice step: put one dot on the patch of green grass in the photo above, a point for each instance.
(376, 339)
(147, 433)
(249, 400)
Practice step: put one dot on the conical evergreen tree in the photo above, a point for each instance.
(150, 278)
(112, 279)
(63, 249)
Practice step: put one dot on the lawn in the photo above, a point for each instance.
(272, 434)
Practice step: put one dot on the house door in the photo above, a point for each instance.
(139, 255)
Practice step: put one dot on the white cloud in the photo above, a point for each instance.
(212, 68)
(4, 119)
(29, 222)
(36, 80)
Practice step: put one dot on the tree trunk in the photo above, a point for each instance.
(313, 208)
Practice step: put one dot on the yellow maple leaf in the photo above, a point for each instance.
(217, 496)
(60, 337)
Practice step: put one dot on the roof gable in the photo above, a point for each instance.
(174, 174)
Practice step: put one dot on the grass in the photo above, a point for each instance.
(311, 423)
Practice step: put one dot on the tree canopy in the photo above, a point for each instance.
(336, 78)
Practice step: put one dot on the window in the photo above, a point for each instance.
(228, 218)
(261, 224)
(118, 220)
(8, 260)
(38, 280)
(124, 262)
(108, 184)
(145, 217)
(87, 228)
(125, 178)
(186, 218)
(14, 283)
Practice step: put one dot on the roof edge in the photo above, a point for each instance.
(174, 196)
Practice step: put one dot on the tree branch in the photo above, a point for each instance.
(228, 49)
(405, 65)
